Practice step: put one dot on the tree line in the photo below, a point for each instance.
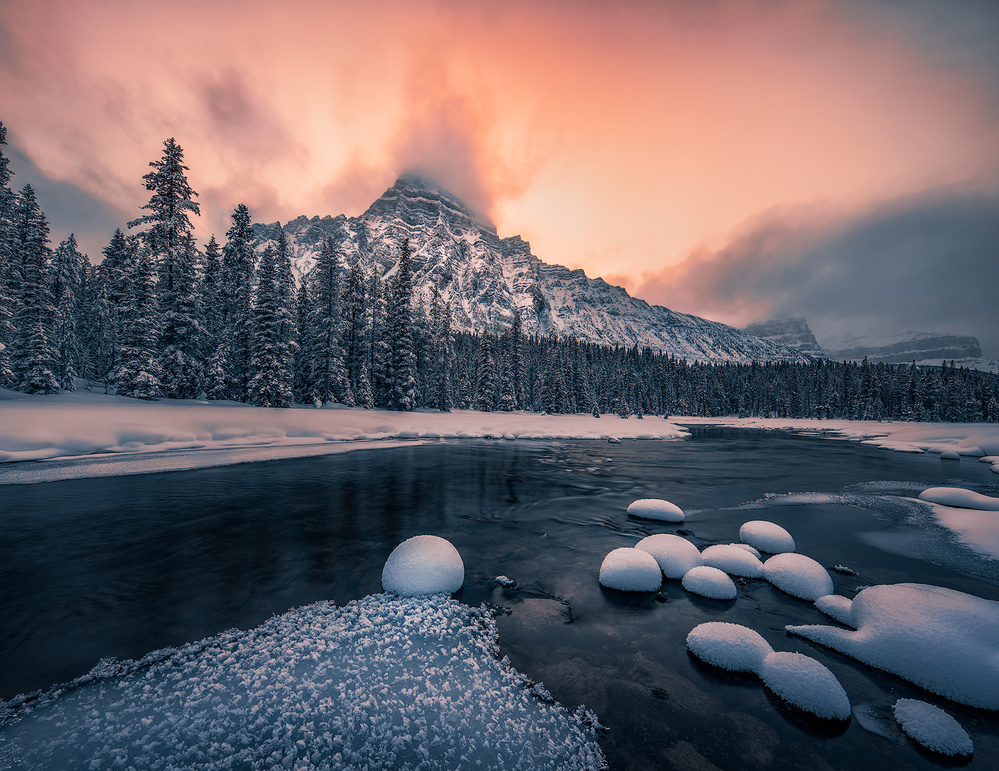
(160, 316)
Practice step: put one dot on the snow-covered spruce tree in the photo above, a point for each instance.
(181, 332)
(302, 375)
(485, 378)
(328, 382)
(441, 353)
(67, 272)
(355, 318)
(402, 339)
(517, 359)
(379, 348)
(287, 298)
(167, 237)
(210, 290)
(238, 266)
(270, 361)
(136, 373)
(34, 352)
(10, 272)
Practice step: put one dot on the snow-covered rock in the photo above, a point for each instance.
(423, 564)
(836, 606)
(942, 640)
(960, 498)
(750, 549)
(709, 582)
(766, 537)
(630, 570)
(798, 575)
(675, 554)
(733, 560)
(932, 727)
(729, 646)
(383, 682)
(806, 684)
(654, 508)
(487, 278)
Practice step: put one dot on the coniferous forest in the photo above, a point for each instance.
(162, 316)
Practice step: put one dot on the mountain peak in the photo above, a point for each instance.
(418, 199)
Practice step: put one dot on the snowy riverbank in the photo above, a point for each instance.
(89, 434)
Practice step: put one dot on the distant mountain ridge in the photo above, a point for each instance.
(488, 278)
(925, 348)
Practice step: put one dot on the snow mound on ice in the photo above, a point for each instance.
(949, 455)
(806, 684)
(766, 536)
(675, 554)
(733, 560)
(654, 508)
(733, 647)
(960, 498)
(709, 582)
(630, 570)
(424, 564)
(836, 606)
(932, 727)
(383, 682)
(940, 639)
(798, 575)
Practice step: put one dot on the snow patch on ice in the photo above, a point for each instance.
(940, 639)
(630, 570)
(766, 536)
(675, 555)
(836, 606)
(709, 582)
(960, 498)
(932, 727)
(423, 564)
(798, 575)
(655, 508)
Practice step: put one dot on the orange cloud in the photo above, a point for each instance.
(616, 137)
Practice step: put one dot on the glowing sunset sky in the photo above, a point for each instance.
(735, 160)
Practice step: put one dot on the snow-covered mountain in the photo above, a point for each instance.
(792, 331)
(487, 278)
(925, 348)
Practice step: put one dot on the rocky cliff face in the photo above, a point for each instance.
(488, 278)
(792, 331)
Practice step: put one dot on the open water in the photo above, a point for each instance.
(121, 566)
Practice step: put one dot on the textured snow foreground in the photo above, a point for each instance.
(384, 682)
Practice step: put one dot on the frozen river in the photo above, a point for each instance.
(121, 566)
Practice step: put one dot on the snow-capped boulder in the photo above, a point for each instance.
(424, 564)
(733, 647)
(675, 554)
(766, 536)
(630, 570)
(798, 575)
(940, 639)
(932, 727)
(654, 508)
(733, 560)
(806, 684)
(709, 582)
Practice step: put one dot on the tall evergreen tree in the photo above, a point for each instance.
(270, 363)
(136, 372)
(10, 272)
(34, 353)
(238, 267)
(181, 332)
(327, 374)
(440, 354)
(485, 377)
(303, 370)
(211, 293)
(400, 328)
(67, 295)
(354, 333)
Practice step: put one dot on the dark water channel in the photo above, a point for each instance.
(122, 566)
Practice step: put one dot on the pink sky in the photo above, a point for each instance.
(635, 140)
